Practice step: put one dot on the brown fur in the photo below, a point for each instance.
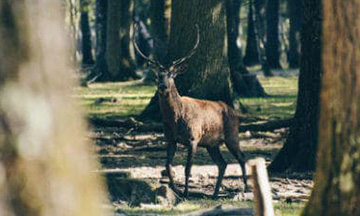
(193, 122)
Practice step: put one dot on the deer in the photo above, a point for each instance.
(194, 123)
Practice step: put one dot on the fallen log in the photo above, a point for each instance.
(268, 126)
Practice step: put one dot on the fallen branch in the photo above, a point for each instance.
(268, 126)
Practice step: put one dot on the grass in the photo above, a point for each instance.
(281, 209)
(130, 98)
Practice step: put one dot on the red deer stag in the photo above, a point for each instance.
(193, 122)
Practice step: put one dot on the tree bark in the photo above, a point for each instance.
(244, 84)
(299, 151)
(87, 57)
(252, 50)
(272, 46)
(120, 65)
(337, 188)
(159, 26)
(100, 28)
(46, 166)
(294, 8)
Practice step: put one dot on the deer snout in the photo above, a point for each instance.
(162, 87)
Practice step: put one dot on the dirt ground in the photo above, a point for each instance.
(143, 156)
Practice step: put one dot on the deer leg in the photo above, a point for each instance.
(216, 156)
(171, 149)
(191, 152)
(235, 150)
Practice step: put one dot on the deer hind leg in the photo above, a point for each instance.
(216, 156)
(171, 149)
(191, 151)
(234, 148)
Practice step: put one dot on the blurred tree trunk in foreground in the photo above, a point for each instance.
(244, 83)
(299, 151)
(337, 188)
(294, 8)
(120, 65)
(87, 57)
(46, 167)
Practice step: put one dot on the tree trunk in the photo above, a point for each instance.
(159, 26)
(294, 8)
(46, 166)
(87, 57)
(252, 50)
(337, 188)
(272, 46)
(100, 28)
(244, 84)
(120, 65)
(299, 151)
(208, 67)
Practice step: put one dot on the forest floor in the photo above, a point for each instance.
(142, 155)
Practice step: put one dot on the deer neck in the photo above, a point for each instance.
(171, 104)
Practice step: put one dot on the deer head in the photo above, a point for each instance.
(165, 74)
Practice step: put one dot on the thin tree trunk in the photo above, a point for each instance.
(337, 188)
(120, 65)
(299, 151)
(244, 83)
(252, 50)
(272, 45)
(46, 166)
(87, 57)
(294, 8)
(100, 67)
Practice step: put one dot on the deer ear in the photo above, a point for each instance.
(179, 69)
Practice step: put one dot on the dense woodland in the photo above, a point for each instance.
(103, 104)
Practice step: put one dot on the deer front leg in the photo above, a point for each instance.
(171, 149)
(191, 152)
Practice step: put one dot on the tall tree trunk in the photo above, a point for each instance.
(294, 8)
(299, 151)
(337, 188)
(120, 65)
(87, 57)
(272, 46)
(252, 50)
(244, 84)
(209, 65)
(46, 166)
(100, 28)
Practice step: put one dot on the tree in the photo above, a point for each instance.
(252, 49)
(120, 65)
(337, 189)
(208, 67)
(299, 151)
(244, 84)
(100, 29)
(87, 57)
(272, 46)
(294, 8)
(46, 166)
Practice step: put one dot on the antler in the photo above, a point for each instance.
(192, 52)
(142, 54)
